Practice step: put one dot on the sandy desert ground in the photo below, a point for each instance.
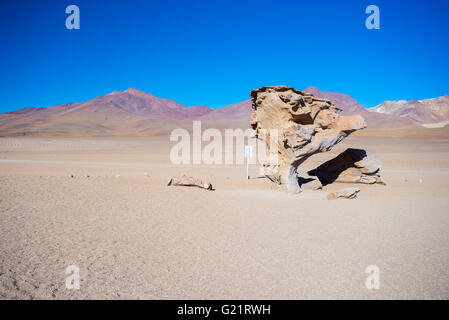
(133, 237)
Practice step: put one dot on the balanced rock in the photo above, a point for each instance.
(352, 165)
(304, 125)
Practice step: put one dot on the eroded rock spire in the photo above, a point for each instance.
(305, 124)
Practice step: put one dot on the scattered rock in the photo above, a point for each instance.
(184, 180)
(348, 193)
(352, 165)
(305, 125)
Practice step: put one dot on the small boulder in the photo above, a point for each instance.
(348, 193)
(187, 181)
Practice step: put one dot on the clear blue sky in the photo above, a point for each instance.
(213, 52)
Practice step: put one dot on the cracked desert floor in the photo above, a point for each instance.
(132, 236)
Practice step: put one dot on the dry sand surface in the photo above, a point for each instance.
(133, 237)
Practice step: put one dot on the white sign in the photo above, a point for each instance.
(248, 151)
(248, 154)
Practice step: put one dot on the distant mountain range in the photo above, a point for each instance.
(430, 113)
(137, 113)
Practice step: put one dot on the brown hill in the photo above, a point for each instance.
(131, 112)
(429, 112)
(137, 113)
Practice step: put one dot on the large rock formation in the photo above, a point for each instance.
(294, 126)
(352, 165)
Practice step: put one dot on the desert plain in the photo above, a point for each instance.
(134, 237)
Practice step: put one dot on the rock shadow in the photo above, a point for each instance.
(329, 171)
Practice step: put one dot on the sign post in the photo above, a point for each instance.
(248, 154)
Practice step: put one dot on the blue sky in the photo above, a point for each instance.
(213, 52)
